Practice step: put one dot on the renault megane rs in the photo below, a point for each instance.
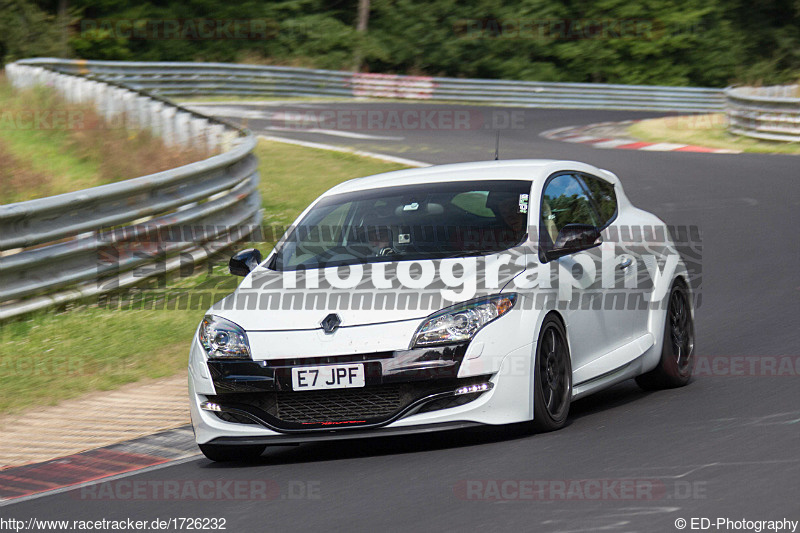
(438, 298)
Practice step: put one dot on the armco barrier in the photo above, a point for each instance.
(769, 113)
(58, 249)
(50, 248)
(206, 79)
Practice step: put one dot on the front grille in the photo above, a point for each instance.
(313, 407)
(338, 407)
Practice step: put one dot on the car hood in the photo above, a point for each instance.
(268, 300)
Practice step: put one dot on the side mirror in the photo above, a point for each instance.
(574, 238)
(245, 261)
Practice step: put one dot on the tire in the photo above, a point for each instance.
(552, 384)
(241, 454)
(677, 361)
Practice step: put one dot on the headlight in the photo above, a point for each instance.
(461, 322)
(223, 339)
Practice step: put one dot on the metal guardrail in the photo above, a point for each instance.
(207, 79)
(85, 243)
(56, 249)
(769, 113)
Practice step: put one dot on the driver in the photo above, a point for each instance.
(506, 207)
(380, 240)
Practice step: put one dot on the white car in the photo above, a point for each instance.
(439, 298)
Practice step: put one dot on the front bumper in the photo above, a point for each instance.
(247, 397)
(396, 384)
(302, 438)
(368, 407)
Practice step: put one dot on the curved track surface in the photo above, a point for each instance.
(722, 447)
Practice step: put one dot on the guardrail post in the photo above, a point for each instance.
(182, 133)
(155, 121)
(79, 90)
(69, 89)
(197, 128)
(115, 114)
(143, 112)
(101, 99)
(228, 140)
(92, 92)
(130, 112)
(167, 115)
(214, 136)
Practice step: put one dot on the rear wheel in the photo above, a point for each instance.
(222, 453)
(677, 355)
(552, 391)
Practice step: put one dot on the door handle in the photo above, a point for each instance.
(626, 263)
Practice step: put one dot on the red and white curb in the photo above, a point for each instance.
(591, 135)
(22, 483)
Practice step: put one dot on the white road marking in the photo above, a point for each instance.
(579, 138)
(321, 146)
(232, 112)
(613, 143)
(662, 147)
(337, 133)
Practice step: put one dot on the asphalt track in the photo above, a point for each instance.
(722, 447)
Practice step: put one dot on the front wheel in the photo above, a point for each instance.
(677, 355)
(222, 453)
(552, 390)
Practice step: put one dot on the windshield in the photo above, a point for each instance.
(413, 222)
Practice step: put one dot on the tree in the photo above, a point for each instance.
(27, 31)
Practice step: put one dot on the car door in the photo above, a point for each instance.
(576, 277)
(623, 294)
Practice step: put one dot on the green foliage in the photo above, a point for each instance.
(676, 42)
(27, 31)
(100, 44)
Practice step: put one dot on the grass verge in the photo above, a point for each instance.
(52, 356)
(704, 130)
(49, 146)
(293, 176)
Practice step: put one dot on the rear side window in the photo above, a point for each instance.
(603, 198)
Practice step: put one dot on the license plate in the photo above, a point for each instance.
(328, 377)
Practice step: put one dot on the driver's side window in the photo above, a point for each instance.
(564, 201)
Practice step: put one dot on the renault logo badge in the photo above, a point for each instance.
(330, 323)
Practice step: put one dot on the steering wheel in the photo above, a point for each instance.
(388, 250)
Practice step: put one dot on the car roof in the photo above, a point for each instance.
(512, 169)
